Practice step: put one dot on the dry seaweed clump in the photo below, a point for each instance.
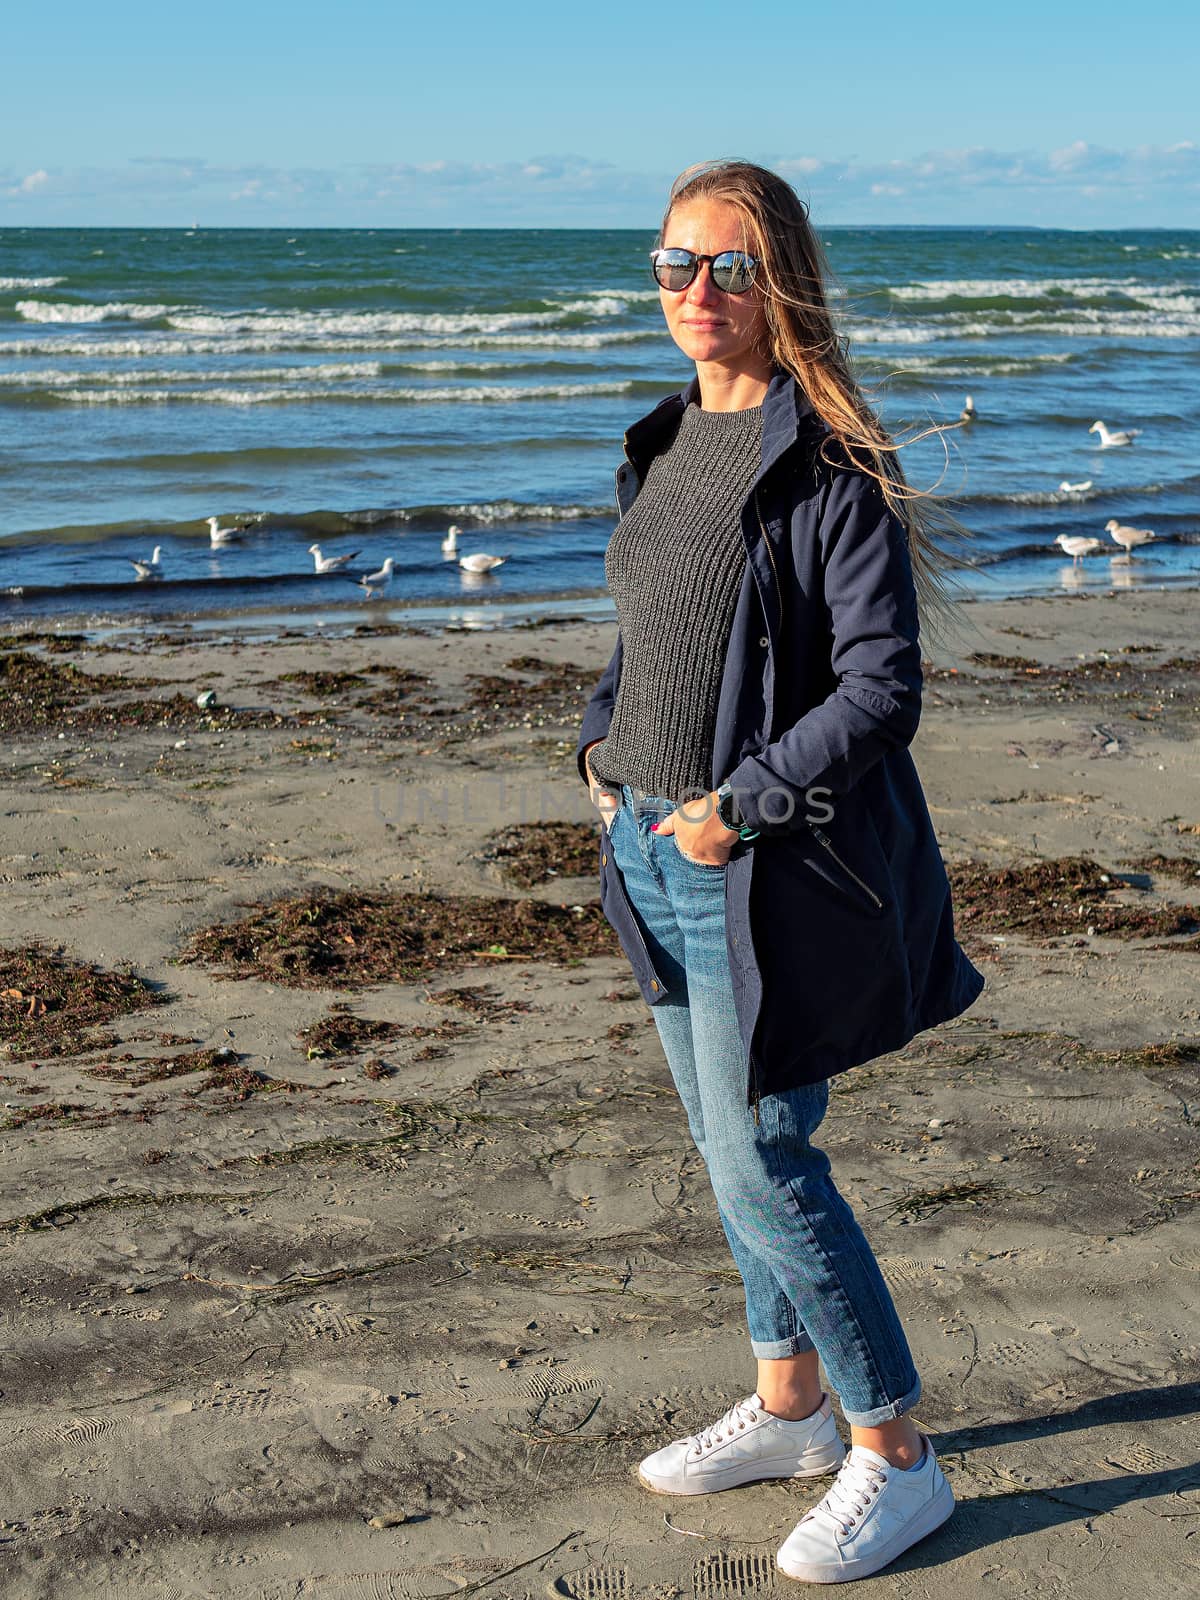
(341, 1033)
(1046, 899)
(49, 1005)
(37, 695)
(349, 940)
(557, 690)
(530, 853)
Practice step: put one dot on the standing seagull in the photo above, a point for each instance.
(450, 542)
(1110, 440)
(481, 562)
(220, 535)
(1127, 538)
(330, 563)
(378, 580)
(968, 412)
(1076, 548)
(151, 568)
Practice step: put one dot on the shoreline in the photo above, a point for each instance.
(485, 613)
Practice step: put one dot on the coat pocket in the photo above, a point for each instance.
(830, 865)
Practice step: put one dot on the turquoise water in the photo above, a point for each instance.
(367, 388)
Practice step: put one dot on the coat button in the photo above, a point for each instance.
(654, 983)
(764, 641)
(604, 858)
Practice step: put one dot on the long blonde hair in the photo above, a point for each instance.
(794, 272)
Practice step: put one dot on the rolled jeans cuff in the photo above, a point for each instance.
(888, 1413)
(780, 1349)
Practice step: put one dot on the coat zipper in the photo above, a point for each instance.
(762, 528)
(826, 844)
(755, 1095)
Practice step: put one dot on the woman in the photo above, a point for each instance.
(767, 857)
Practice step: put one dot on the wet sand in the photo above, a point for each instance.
(315, 1283)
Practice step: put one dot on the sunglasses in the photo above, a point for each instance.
(732, 271)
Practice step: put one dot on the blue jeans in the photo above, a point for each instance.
(811, 1279)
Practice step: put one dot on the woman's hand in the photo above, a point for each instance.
(603, 798)
(699, 832)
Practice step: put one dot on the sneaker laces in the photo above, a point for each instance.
(851, 1494)
(734, 1420)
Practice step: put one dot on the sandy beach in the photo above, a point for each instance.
(352, 1243)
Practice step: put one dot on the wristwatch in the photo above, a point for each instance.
(728, 813)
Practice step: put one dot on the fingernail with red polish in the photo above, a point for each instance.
(654, 827)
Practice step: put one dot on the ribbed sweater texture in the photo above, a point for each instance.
(674, 565)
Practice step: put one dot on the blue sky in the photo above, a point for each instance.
(377, 114)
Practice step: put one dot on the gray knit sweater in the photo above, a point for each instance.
(674, 566)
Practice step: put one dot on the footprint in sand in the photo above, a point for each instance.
(909, 1270)
(1010, 1353)
(1140, 1458)
(593, 1583)
(730, 1573)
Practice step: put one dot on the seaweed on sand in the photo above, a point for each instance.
(1045, 899)
(341, 1033)
(49, 1004)
(331, 939)
(530, 853)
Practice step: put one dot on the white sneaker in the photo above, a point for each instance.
(746, 1445)
(872, 1513)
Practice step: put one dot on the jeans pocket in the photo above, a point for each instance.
(701, 866)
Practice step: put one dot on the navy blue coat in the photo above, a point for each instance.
(839, 926)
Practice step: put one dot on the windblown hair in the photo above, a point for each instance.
(793, 275)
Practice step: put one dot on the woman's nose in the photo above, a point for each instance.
(702, 290)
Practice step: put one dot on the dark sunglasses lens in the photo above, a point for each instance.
(733, 272)
(674, 269)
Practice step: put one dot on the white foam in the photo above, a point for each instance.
(1075, 322)
(258, 397)
(164, 344)
(57, 378)
(303, 325)
(935, 367)
(513, 511)
(109, 311)
(1014, 288)
(595, 306)
(7, 284)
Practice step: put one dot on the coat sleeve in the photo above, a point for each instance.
(598, 716)
(871, 611)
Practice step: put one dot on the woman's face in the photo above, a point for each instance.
(707, 325)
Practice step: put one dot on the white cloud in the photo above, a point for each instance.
(969, 183)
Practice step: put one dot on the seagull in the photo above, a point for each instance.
(221, 535)
(481, 562)
(1074, 488)
(378, 580)
(450, 542)
(151, 568)
(329, 563)
(968, 412)
(1108, 440)
(1127, 538)
(1077, 547)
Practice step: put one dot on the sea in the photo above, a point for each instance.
(365, 389)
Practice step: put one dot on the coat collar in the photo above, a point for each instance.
(786, 409)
